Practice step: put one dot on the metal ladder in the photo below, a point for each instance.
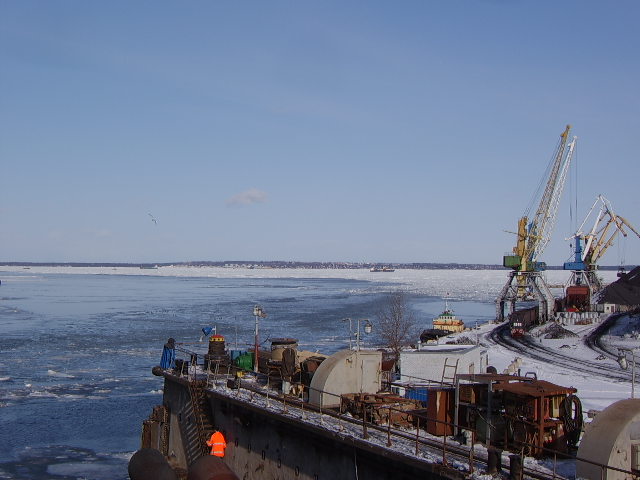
(449, 371)
(196, 414)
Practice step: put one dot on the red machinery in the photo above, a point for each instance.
(521, 413)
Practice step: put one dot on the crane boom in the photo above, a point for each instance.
(547, 211)
(532, 238)
(600, 237)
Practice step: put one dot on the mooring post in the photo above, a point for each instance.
(364, 421)
(267, 390)
(494, 460)
(515, 467)
(471, 452)
(444, 449)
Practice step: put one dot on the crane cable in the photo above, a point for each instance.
(537, 194)
(622, 251)
(573, 204)
(574, 167)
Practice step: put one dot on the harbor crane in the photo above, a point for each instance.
(532, 238)
(592, 245)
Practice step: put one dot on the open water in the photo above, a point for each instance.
(76, 351)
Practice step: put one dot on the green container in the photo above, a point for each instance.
(512, 261)
(245, 361)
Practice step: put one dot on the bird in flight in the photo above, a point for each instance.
(153, 219)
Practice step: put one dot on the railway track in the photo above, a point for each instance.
(594, 339)
(527, 346)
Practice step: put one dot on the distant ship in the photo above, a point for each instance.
(149, 267)
(382, 269)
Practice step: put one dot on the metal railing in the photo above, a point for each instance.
(425, 443)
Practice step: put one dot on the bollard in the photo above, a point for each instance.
(515, 467)
(494, 460)
(364, 422)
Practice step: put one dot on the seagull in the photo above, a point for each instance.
(153, 219)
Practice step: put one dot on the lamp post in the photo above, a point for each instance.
(350, 331)
(367, 329)
(257, 313)
(622, 361)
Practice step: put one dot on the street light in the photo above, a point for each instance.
(622, 361)
(367, 329)
(258, 312)
(350, 331)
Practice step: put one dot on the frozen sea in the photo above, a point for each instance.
(77, 344)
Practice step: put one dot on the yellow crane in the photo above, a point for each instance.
(532, 238)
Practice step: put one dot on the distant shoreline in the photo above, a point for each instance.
(283, 264)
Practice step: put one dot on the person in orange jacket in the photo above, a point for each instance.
(217, 444)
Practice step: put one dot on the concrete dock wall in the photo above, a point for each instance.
(264, 444)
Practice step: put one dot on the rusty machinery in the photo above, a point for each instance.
(380, 408)
(289, 366)
(521, 413)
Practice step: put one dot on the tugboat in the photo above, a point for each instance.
(447, 320)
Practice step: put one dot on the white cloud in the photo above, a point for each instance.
(247, 198)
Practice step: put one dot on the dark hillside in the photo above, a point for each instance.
(625, 290)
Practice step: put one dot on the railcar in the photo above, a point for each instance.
(521, 321)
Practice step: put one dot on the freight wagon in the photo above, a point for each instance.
(521, 321)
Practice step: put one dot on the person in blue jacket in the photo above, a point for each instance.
(168, 359)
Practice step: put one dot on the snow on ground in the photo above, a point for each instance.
(595, 392)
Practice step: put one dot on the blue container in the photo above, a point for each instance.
(236, 353)
(420, 393)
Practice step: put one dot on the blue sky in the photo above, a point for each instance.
(412, 131)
